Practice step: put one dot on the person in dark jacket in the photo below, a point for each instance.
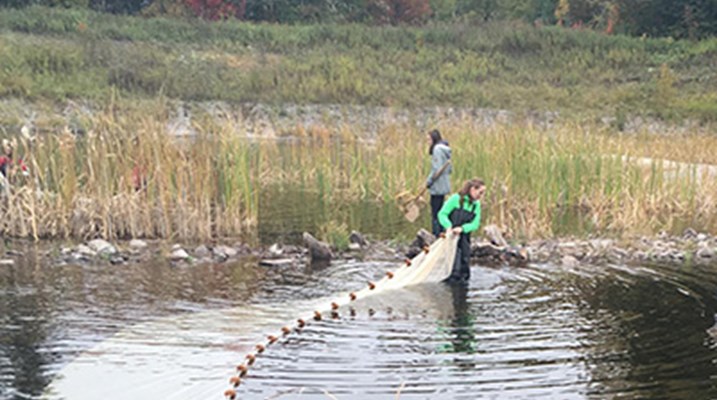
(439, 186)
(461, 215)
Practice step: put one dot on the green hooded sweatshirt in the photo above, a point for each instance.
(453, 203)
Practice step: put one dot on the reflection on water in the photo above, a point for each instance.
(279, 223)
(154, 331)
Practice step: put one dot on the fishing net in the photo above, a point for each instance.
(433, 264)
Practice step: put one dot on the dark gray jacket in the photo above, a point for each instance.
(442, 184)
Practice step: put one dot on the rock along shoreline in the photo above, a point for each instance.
(489, 249)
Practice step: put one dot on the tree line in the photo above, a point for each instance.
(692, 19)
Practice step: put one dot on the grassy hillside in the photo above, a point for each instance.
(54, 55)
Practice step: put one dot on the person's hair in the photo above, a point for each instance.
(467, 186)
(435, 139)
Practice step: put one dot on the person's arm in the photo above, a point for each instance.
(440, 157)
(448, 207)
(435, 165)
(475, 224)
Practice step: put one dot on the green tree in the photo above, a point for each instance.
(483, 9)
(444, 9)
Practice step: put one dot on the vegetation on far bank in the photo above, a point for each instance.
(126, 177)
(657, 18)
(52, 55)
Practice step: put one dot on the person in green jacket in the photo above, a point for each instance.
(461, 215)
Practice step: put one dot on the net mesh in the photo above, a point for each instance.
(433, 264)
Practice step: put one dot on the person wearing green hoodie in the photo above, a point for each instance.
(461, 215)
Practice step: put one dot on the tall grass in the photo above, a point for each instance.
(569, 179)
(60, 54)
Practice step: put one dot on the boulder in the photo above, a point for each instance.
(423, 238)
(85, 251)
(357, 238)
(495, 235)
(318, 250)
(225, 252)
(102, 247)
(136, 244)
(202, 251)
(178, 255)
(275, 249)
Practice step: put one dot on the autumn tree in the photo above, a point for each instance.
(399, 11)
(214, 10)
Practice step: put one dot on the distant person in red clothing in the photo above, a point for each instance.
(8, 164)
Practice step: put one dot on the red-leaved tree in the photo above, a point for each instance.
(214, 10)
(399, 11)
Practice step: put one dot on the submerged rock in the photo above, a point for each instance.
(705, 253)
(277, 262)
(569, 261)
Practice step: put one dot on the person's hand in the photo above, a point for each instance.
(458, 230)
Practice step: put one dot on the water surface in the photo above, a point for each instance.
(543, 331)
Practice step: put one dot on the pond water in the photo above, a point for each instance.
(543, 331)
